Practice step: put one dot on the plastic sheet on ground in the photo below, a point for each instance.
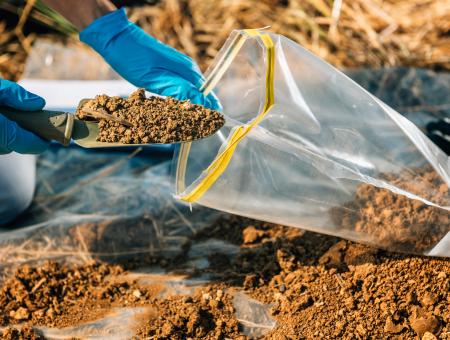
(253, 315)
(118, 324)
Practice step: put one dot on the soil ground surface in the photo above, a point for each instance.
(152, 120)
(314, 286)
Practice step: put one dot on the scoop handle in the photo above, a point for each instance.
(49, 125)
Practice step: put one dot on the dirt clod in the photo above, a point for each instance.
(251, 234)
(428, 336)
(422, 325)
(20, 314)
(153, 120)
(391, 327)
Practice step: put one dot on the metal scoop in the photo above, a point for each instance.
(64, 127)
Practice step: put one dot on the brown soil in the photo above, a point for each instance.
(320, 287)
(154, 119)
(209, 314)
(316, 286)
(395, 221)
(26, 332)
(50, 293)
(60, 295)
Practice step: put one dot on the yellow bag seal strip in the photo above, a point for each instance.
(219, 165)
(213, 78)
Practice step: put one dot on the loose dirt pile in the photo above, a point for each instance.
(320, 287)
(153, 120)
(209, 315)
(56, 295)
(396, 221)
(315, 286)
(52, 294)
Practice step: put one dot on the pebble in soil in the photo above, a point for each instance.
(154, 119)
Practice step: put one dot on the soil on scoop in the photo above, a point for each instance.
(153, 120)
(396, 221)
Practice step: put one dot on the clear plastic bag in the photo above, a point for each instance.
(305, 146)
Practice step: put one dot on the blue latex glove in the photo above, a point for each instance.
(144, 61)
(13, 137)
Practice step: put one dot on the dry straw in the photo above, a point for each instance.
(347, 33)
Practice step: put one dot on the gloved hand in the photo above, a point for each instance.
(13, 137)
(144, 61)
(439, 133)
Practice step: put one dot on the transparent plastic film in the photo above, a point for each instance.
(305, 146)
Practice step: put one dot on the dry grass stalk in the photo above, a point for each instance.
(18, 30)
(12, 54)
(102, 114)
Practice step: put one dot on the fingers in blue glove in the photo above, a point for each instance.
(16, 97)
(12, 136)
